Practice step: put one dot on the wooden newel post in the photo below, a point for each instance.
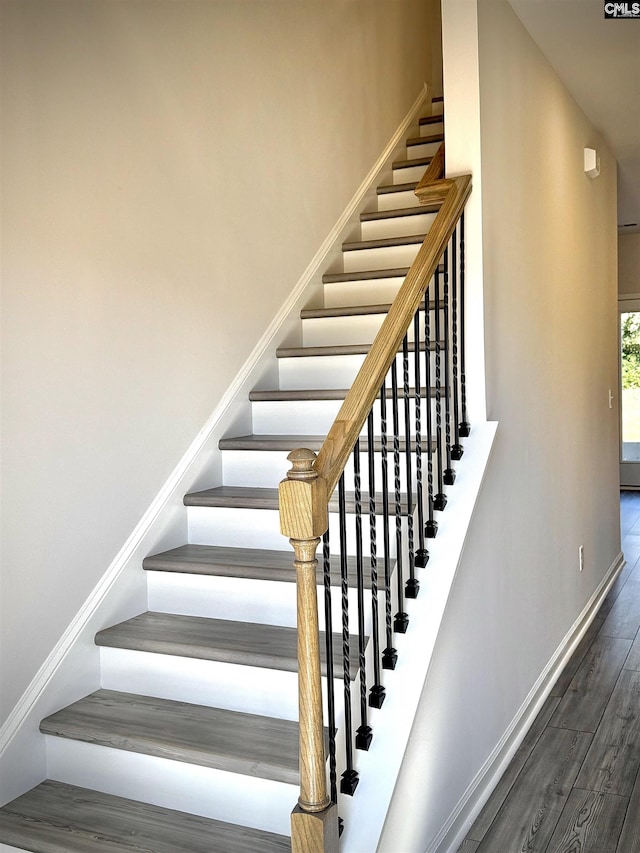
(304, 518)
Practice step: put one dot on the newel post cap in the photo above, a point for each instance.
(303, 498)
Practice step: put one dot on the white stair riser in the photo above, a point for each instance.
(333, 371)
(367, 292)
(338, 331)
(240, 599)
(437, 108)
(217, 794)
(254, 528)
(265, 468)
(273, 693)
(396, 200)
(432, 128)
(307, 417)
(424, 149)
(396, 226)
(408, 174)
(389, 257)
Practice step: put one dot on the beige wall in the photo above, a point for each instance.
(168, 171)
(550, 330)
(629, 264)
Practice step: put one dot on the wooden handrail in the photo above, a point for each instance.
(353, 413)
(434, 171)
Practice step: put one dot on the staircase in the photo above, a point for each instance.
(191, 744)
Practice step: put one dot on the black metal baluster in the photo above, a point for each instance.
(422, 555)
(457, 450)
(377, 692)
(465, 426)
(449, 475)
(390, 655)
(431, 527)
(412, 586)
(440, 499)
(401, 619)
(349, 781)
(363, 732)
(328, 631)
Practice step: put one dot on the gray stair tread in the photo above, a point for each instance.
(253, 745)
(289, 442)
(249, 563)
(407, 163)
(364, 275)
(241, 497)
(383, 243)
(317, 394)
(56, 817)
(385, 189)
(398, 213)
(224, 640)
(425, 140)
(350, 311)
(434, 119)
(331, 349)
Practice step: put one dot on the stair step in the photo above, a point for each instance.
(425, 140)
(383, 243)
(374, 215)
(385, 189)
(264, 747)
(318, 394)
(225, 640)
(350, 311)
(335, 349)
(55, 817)
(434, 119)
(409, 163)
(241, 497)
(287, 443)
(249, 563)
(363, 275)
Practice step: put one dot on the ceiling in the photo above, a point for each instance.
(598, 60)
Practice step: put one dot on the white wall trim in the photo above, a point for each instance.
(474, 798)
(187, 469)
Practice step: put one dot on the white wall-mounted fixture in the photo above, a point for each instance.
(591, 162)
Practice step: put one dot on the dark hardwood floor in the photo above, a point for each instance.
(574, 784)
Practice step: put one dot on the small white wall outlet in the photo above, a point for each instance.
(581, 557)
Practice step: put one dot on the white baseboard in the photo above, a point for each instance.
(121, 592)
(474, 798)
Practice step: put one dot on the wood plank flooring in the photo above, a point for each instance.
(573, 786)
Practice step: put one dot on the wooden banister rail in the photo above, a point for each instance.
(434, 171)
(353, 413)
(304, 497)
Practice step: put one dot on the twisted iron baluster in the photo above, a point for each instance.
(465, 426)
(431, 527)
(349, 781)
(412, 585)
(390, 655)
(421, 556)
(363, 733)
(440, 500)
(456, 449)
(377, 692)
(328, 631)
(449, 474)
(401, 619)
